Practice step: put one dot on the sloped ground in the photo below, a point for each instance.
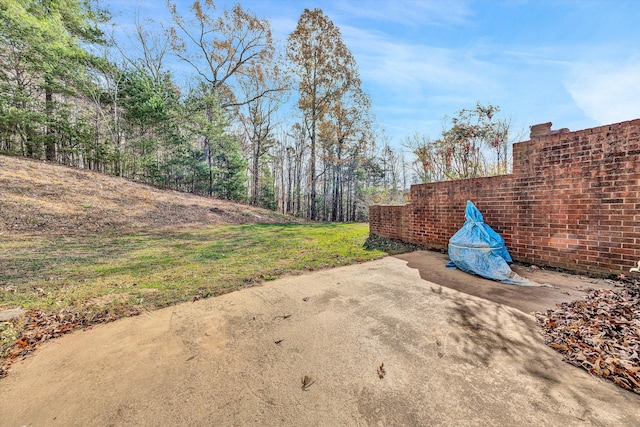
(41, 198)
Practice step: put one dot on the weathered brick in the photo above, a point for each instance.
(577, 192)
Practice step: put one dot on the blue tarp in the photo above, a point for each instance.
(477, 249)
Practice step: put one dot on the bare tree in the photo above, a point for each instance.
(224, 49)
(258, 118)
(325, 69)
(148, 50)
(344, 131)
(461, 151)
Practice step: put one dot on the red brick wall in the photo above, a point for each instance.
(573, 201)
(391, 222)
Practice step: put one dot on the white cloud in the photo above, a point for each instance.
(408, 12)
(402, 66)
(415, 84)
(606, 93)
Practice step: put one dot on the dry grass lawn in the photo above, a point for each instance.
(41, 198)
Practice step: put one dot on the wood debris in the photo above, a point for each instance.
(600, 334)
(307, 382)
(286, 316)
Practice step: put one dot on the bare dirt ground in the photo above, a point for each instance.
(398, 341)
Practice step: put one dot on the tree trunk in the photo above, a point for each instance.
(207, 151)
(289, 185)
(312, 171)
(334, 204)
(340, 201)
(50, 147)
(256, 173)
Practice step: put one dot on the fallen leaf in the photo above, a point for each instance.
(307, 382)
(381, 371)
(560, 347)
(600, 333)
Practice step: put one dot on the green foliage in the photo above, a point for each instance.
(461, 151)
(125, 115)
(43, 61)
(229, 169)
(391, 247)
(20, 119)
(9, 334)
(147, 101)
(226, 167)
(266, 193)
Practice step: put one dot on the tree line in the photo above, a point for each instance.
(72, 95)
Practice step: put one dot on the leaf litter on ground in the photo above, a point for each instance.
(37, 326)
(600, 334)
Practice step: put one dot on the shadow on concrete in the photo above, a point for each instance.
(431, 266)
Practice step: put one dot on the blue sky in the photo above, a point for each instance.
(574, 63)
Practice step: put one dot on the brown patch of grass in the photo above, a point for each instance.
(41, 198)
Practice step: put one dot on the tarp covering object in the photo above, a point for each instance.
(477, 249)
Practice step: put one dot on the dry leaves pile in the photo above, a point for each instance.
(37, 327)
(600, 334)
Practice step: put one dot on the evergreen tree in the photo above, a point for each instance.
(209, 123)
(42, 62)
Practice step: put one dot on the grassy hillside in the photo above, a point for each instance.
(41, 198)
(79, 248)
